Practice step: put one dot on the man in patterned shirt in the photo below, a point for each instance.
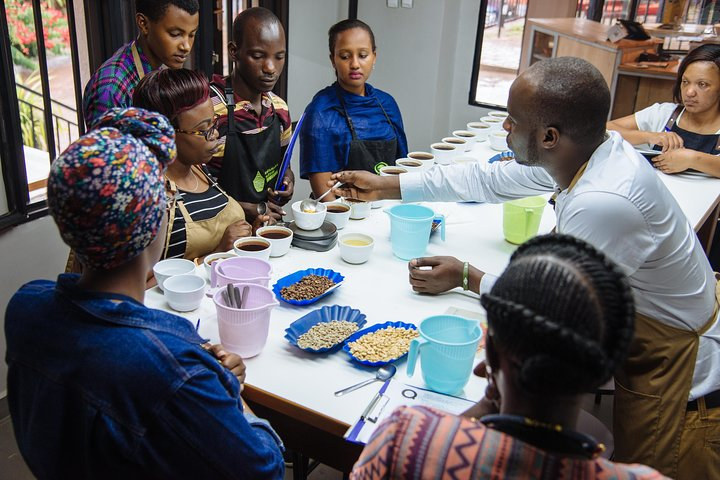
(248, 161)
(167, 32)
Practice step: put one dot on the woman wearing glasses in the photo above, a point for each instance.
(203, 218)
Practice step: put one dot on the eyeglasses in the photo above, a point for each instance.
(203, 133)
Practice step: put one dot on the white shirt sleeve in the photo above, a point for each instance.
(654, 117)
(618, 228)
(474, 182)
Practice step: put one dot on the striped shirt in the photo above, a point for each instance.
(424, 443)
(200, 206)
(112, 84)
(247, 120)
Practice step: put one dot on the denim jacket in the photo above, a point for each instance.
(100, 386)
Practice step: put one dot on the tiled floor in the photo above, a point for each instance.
(12, 466)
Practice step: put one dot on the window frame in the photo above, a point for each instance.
(479, 35)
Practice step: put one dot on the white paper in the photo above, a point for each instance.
(399, 394)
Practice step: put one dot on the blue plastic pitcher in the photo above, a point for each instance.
(410, 227)
(446, 346)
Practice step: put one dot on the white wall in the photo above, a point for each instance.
(30, 251)
(424, 59)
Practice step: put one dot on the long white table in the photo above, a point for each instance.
(295, 389)
(299, 386)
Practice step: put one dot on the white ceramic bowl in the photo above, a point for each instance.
(498, 140)
(494, 122)
(481, 129)
(410, 164)
(461, 145)
(216, 257)
(308, 220)
(184, 292)
(468, 136)
(498, 113)
(427, 158)
(391, 170)
(255, 247)
(443, 152)
(464, 159)
(165, 269)
(279, 237)
(358, 209)
(339, 218)
(356, 247)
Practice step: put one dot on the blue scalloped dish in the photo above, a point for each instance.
(323, 315)
(371, 329)
(297, 276)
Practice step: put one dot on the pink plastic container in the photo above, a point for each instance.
(240, 269)
(245, 331)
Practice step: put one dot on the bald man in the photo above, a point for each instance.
(667, 401)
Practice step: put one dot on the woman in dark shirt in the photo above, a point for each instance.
(203, 219)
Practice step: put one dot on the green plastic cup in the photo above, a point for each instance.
(521, 218)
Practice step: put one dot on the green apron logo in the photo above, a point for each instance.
(378, 166)
(259, 182)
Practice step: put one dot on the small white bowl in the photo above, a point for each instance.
(464, 159)
(279, 237)
(427, 158)
(461, 145)
(358, 209)
(167, 268)
(410, 164)
(392, 170)
(494, 122)
(256, 247)
(356, 247)
(498, 140)
(468, 136)
(216, 257)
(184, 292)
(443, 152)
(481, 129)
(339, 218)
(498, 114)
(309, 220)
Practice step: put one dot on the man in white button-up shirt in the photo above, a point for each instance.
(609, 196)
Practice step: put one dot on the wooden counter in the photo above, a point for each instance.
(578, 37)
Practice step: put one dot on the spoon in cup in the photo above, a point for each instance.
(383, 374)
(310, 204)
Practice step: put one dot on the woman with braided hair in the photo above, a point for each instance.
(560, 320)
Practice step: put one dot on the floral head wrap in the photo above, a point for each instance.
(106, 191)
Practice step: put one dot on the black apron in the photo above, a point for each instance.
(251, 162)
(694, 141)
(368, 155)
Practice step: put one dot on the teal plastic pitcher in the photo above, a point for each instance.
(410, 227)
(446, 346)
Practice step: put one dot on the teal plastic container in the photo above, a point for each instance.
(410, 227)
(446, 347)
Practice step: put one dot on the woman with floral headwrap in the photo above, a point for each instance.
(100, 386)
(203, 218)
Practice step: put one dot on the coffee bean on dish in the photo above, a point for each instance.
(309, 287)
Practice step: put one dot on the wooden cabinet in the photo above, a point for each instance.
(630, 89)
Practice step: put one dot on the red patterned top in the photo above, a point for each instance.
(424, 443)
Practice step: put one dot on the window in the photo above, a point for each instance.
(39, 66)
(497, 51)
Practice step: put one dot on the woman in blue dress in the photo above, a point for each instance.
(350, 125)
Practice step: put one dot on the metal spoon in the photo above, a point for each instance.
(383, 374)
(312, 203)
(262, 209)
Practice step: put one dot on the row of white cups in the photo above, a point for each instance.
(452, 149)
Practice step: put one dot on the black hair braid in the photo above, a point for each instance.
(564, 312)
